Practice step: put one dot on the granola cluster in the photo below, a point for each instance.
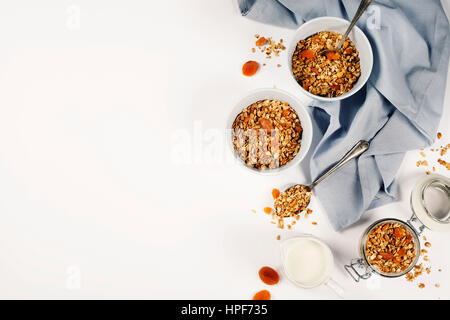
(390, 248)
(267, 134)
(268, 46)
(292, 201)
(328, 76)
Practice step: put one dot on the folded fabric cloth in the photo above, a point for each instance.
(398, 110)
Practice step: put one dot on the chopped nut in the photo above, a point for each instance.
(427, 244)
(421, 285)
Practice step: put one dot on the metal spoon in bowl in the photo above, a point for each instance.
(362, 7)
(361, 147)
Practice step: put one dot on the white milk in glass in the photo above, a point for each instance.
(307, 261)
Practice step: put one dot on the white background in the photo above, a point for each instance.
(92, 204)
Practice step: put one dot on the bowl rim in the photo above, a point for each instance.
(304, 143)
(291, 51)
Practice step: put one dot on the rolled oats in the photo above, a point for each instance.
(267, 134)
(327, 76)
(390, 248)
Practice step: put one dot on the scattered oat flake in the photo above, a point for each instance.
(421, 285)
(278, 237)
(437, 285)
(423, 154)
(427, 244)
(278, 65)
(422, 163)
(253, 210)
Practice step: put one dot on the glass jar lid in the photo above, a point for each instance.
(430, 202)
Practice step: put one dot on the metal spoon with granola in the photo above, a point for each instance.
(295, 199)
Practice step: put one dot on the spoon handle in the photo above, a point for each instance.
(361, 147)
(362, 7)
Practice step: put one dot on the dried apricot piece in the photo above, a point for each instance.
(387, 256)
(268, 210)
(262, 295)
(269, 276)
(275, 193)
(308, 54)
(266, 124)
(261, 41)
(332, 55)
(399, 233)
(250, 68)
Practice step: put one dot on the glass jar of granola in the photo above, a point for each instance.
(391, 247)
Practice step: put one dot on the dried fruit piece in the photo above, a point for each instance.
(250, 68)
(439, 135)
(266, 124)
(275, 193)
(268, 210)
(261, 41)
(269, 276)
(262, 295)
(308, 54)
(333, 55)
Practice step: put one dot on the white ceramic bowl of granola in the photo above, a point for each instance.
(338, 25)
(273, 94)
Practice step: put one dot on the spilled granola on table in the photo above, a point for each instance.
(390, 248)
(331, 75)
(267, 134)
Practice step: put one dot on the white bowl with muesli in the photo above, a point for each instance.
(271, 131)
(334, 75)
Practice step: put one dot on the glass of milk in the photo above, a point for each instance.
(308, 262)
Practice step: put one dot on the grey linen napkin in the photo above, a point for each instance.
(398, 110)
